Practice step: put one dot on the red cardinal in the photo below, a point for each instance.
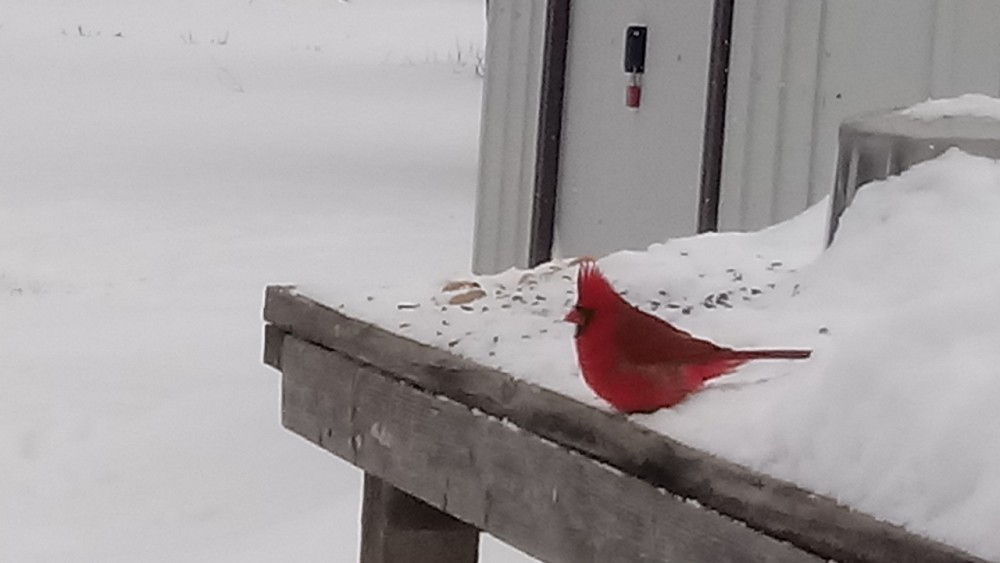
(638, 362)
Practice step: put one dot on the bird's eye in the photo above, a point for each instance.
(584, 314)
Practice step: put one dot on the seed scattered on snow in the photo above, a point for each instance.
(405, 306)
(687, 310)
(467, 307)
(467, 297)
(370, 298)
(824, 330)
(454, 343)
(496, 339)
(404, 325)
(456, 285)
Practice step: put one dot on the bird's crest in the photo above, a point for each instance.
(591, 285)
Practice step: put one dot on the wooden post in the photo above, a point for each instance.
(399, 528)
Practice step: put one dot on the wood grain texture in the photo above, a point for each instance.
(273, 337)
(555, 504)
(779, 509)
(399, 528)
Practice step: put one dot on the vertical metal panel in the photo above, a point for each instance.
(630, 178)
(966, 53)
(508, 135)
(801, 66)
(773, 76)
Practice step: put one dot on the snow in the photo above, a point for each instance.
(972, 105)
(161, 162)
(895, 413)
(151, 185)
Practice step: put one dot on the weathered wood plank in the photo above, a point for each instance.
(814, 523)
(399, 528)
(273, 337)
(556, 504)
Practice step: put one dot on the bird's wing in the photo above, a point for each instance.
(646, 339)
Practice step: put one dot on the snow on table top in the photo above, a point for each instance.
(972, 105)
(896, 413)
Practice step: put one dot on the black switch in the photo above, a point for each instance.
(635, 49)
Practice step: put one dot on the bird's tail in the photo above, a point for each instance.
(771, 354)
(723, 365)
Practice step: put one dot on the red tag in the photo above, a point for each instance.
(633, 95)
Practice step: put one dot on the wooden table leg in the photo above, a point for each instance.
(399, 528)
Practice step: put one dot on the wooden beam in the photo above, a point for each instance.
(553, 503)
(812, 522)
(398, 528)
(273, 338)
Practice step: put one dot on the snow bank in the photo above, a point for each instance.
(894, 415)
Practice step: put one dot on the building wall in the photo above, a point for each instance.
(631, 177)
(799, 67)
(508, 134)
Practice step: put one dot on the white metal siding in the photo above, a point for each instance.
(799, 67)
(631, 178)
(508, 135)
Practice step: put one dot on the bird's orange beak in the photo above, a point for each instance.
(574, 316)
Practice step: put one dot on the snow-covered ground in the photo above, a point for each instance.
(895, 414)
(160, 163)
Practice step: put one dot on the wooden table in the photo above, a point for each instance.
(451, 448)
